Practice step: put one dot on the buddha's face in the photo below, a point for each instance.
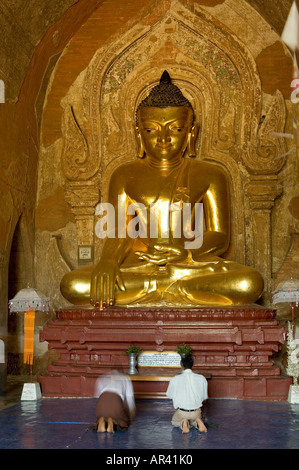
(164, 131)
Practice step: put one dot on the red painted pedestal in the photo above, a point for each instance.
(232, 347)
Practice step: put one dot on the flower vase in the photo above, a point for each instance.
(132, 364)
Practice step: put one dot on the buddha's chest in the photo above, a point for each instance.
(153, 188)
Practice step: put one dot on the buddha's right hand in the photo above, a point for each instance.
(104, 278)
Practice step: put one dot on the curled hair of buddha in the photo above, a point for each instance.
(165, 95)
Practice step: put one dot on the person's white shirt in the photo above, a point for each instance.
(118, 383)
(188, 390)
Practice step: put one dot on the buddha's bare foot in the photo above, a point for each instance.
(201, 425)
(185, 427)
(110, 427)
(101, 425)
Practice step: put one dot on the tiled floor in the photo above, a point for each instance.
(60, 423)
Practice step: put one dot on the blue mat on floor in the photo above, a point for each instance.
(232, 424)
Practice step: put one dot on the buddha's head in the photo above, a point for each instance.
(164, 123)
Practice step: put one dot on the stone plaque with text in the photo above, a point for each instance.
(159, 359)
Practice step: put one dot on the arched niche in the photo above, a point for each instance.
(216, 71)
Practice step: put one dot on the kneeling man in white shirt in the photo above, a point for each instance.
(188, 391)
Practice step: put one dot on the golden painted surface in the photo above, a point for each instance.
(160, 270)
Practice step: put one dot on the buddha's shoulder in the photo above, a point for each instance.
(207, 168)
(126, 169)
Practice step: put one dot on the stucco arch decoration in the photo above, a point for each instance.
(217, 72)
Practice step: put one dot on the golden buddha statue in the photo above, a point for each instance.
(161, 266)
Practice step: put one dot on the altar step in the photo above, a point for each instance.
(215, 370)
(154, 386)
(233, 347)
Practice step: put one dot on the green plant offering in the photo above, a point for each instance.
(132, 349)
(185, 349)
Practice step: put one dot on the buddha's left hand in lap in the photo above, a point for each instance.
(163, 254)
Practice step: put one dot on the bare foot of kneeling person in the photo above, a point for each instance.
(201, 425)
(101, 425)
(185, 427)
(110, 427)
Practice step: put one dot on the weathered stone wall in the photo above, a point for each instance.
(31, 46)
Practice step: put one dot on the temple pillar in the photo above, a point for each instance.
(83, 197)
(262, 192)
